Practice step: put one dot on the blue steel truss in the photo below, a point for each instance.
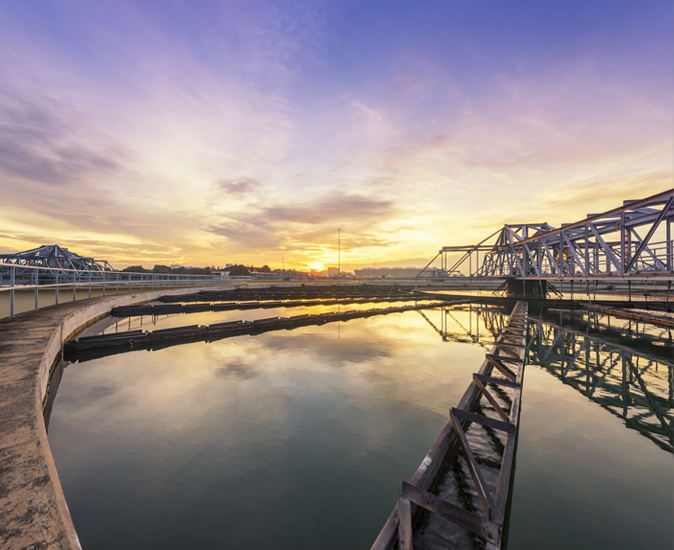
(52, 257)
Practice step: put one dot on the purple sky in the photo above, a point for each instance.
(218, 132)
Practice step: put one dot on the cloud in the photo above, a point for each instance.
(336, 208)
(247, 235)
(253, 129)
(239, 186)
(45, 141)
(310, 227)
(598, 195)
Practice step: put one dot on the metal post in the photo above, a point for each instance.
(103, 274)
(11, 292)
(36, 277)
(669, 286)
(56, 290)
(625, 389)
(587, 251)
(339, 255)
(630, 252)
(670, 247)
(623, 243)
(90, 284)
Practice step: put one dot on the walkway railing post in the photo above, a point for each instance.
(11, 292)
(58, 277)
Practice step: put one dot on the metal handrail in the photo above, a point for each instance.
(75, 278)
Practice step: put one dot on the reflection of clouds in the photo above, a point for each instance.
(351, 350)
(398, 357)
(338, 399)
(97, 395)
(237, 370)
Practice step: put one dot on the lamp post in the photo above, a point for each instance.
(339, 254)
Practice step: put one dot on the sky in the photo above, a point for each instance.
(212, 132)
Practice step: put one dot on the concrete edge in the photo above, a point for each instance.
(69, 326)
(78, 320)
(60, 527)
(71, 534)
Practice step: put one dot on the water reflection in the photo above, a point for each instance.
(299, 439)
(575, 455)
(281, 439)
(596, 355)
(634, 385)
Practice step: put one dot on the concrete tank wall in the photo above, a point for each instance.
(32, 506)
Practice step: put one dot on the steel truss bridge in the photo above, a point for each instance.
(52, 258)
(632, 242)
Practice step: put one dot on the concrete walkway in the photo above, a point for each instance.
(33, 511)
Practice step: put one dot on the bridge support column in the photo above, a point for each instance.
(526, 288)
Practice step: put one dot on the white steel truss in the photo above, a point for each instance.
(634, 240)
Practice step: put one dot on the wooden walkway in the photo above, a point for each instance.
(502, 368)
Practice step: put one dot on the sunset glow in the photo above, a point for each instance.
(247, 132)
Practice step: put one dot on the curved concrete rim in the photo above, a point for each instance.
(32, 505)
(33, 508)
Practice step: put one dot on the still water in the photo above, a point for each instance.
(300, 439)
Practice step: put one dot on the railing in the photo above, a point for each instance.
(22, 277)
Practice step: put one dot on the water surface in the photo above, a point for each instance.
(300, 439)
(278, 440)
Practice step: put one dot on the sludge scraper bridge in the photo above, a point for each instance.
(629, 243)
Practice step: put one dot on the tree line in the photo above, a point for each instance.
(170, 271)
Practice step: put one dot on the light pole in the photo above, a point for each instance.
(339, 254)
